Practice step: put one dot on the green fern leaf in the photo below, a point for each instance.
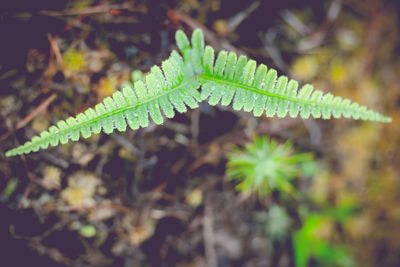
(226, 79)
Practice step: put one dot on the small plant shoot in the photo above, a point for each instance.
(265, 165)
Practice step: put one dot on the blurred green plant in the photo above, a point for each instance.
(275, 223)
(87, 231)
(136, 75)
(74, 60)
(9, 189)
(265, 165)
(310, 243)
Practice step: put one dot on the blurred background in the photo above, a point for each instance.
(211, 187)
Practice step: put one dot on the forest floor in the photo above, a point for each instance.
(160, 196)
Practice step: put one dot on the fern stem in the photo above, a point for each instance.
(255, 90)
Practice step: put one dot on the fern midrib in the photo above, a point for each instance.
(113, 112)
(267, 93)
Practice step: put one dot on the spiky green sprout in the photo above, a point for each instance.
(265, 165)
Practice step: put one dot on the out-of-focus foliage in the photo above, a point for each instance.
(310, 242)
(265, 165)
(276, 223)
(51, 178)
(195, 198)
(74, 60)
(9, 189)
(136, 75)
(361, 60)
(87, 231)
(81, 189)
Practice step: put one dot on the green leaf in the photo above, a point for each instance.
(175, 86)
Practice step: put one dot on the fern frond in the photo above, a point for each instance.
(226, 79)
(163, 89)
